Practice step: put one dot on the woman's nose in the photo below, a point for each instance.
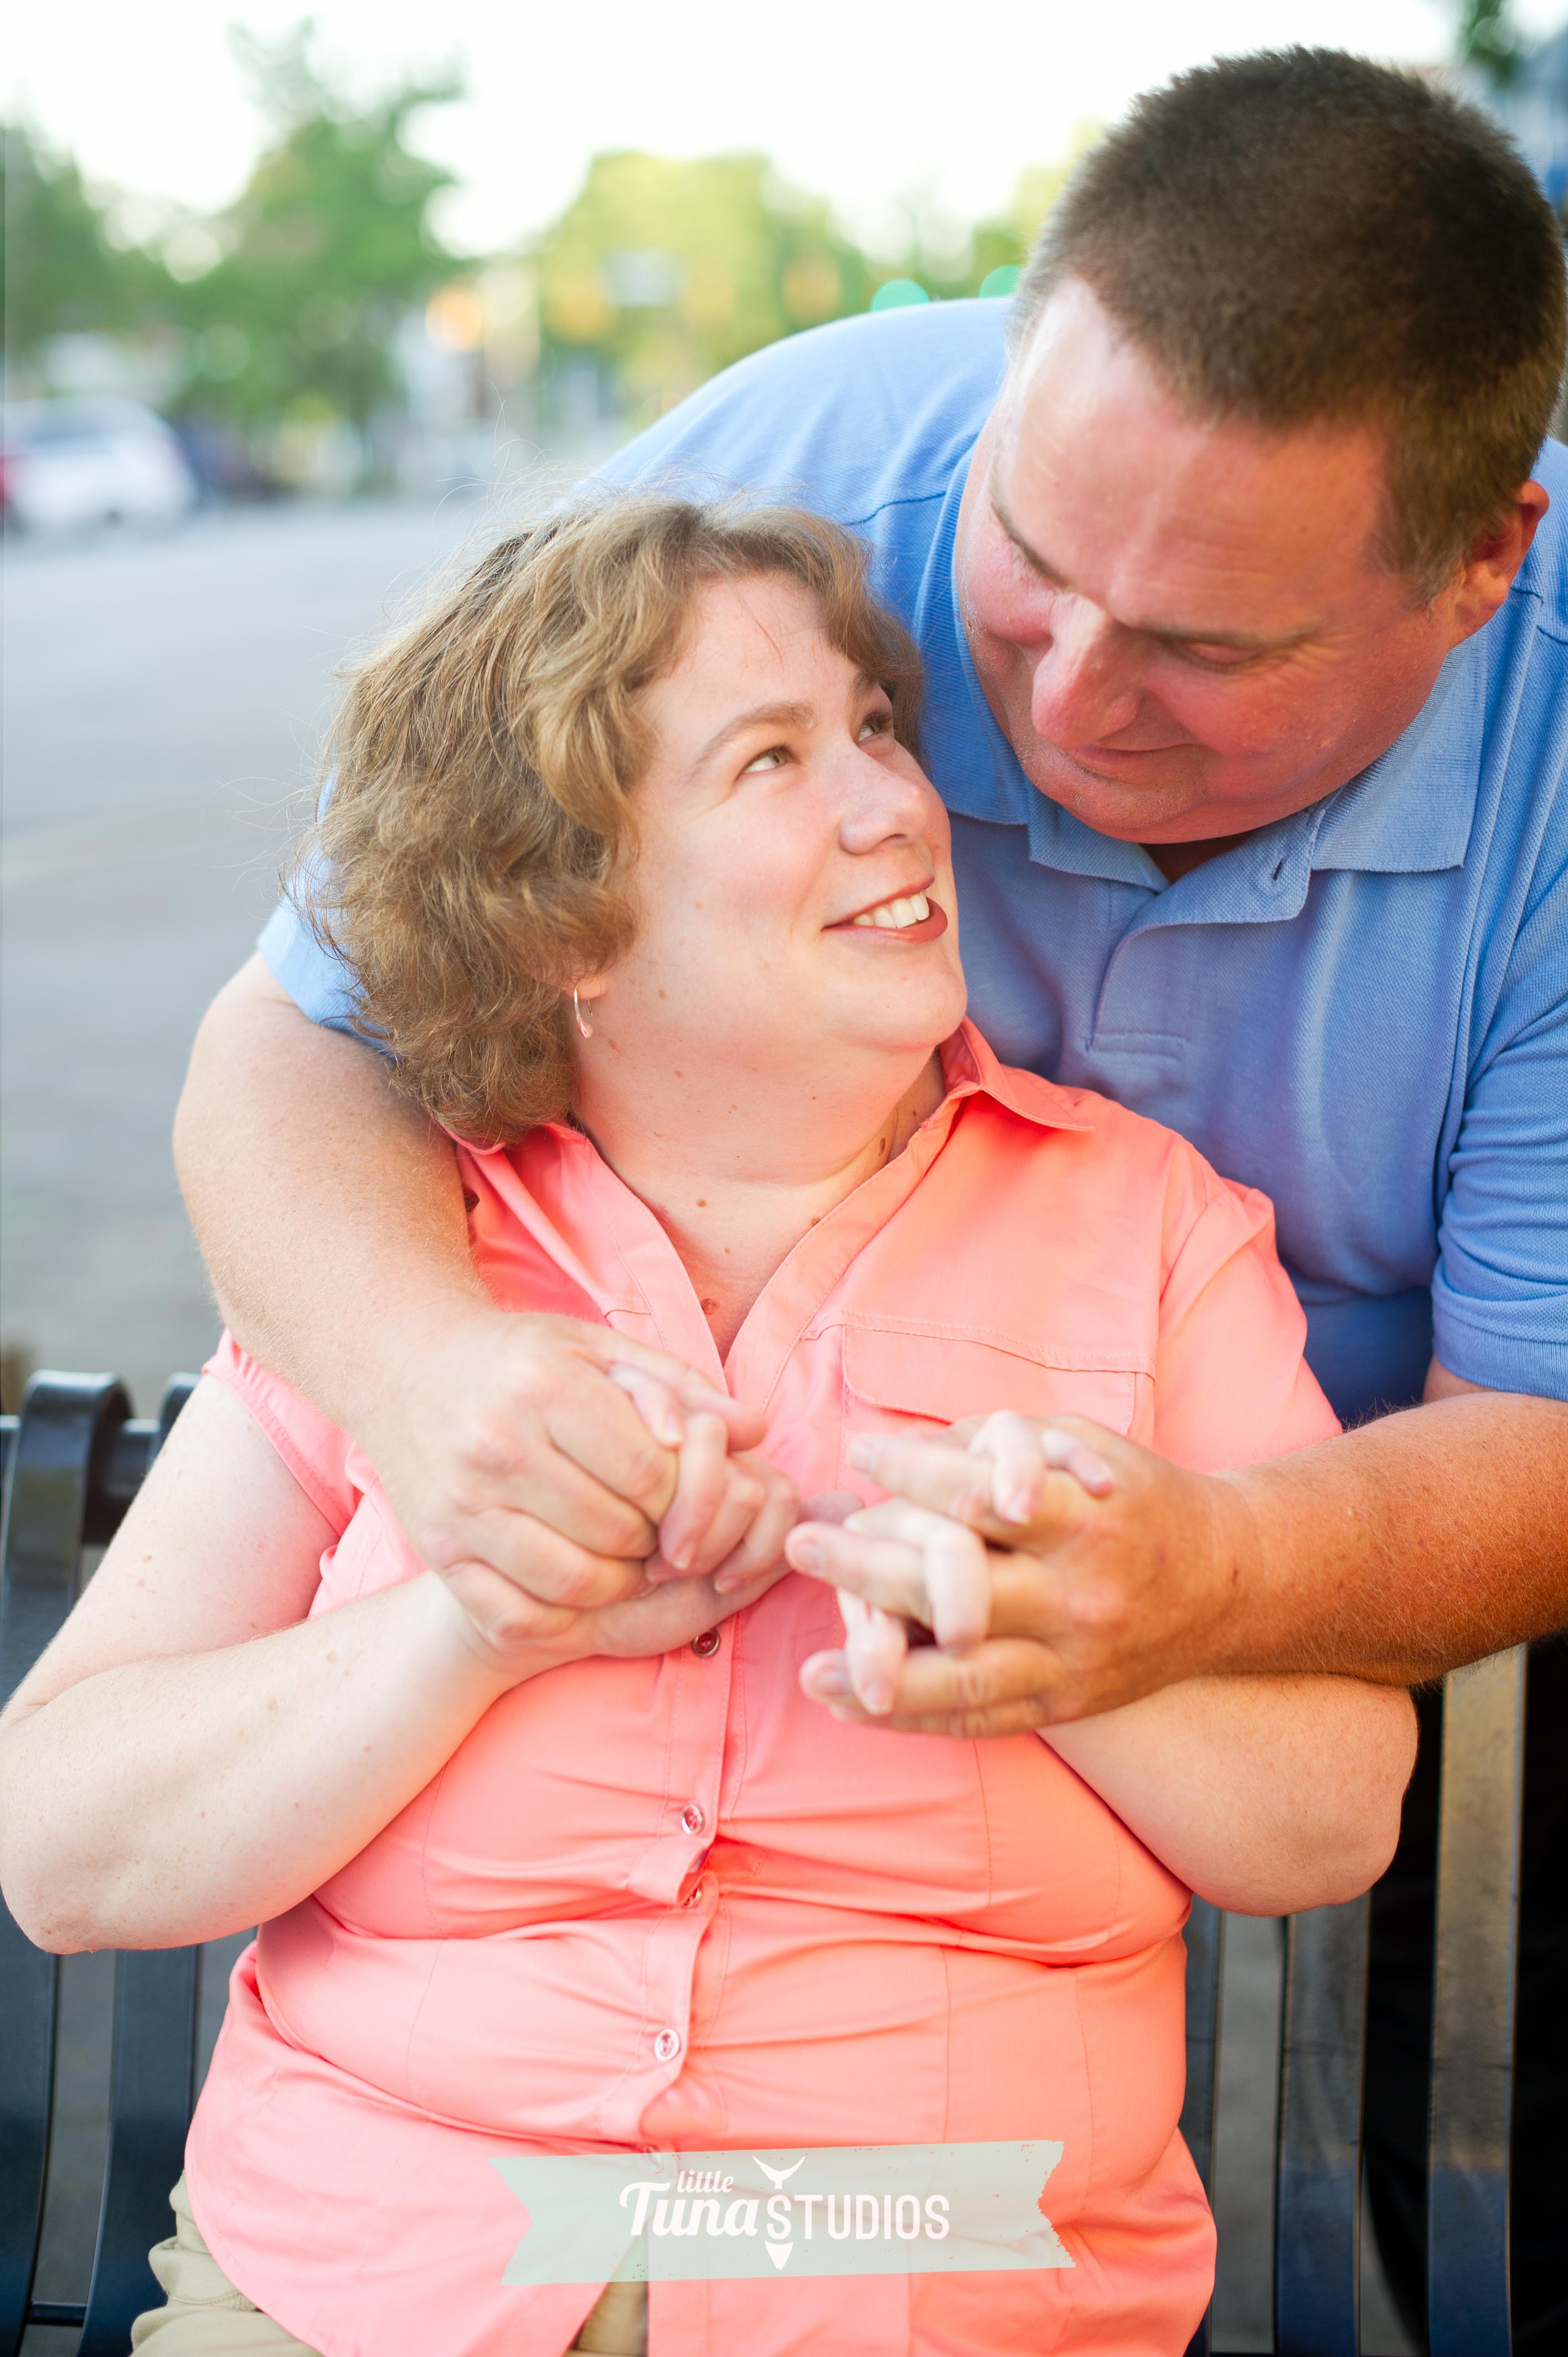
(881, 800)
(1081, 693)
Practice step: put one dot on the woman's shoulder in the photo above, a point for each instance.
(321, 1456)
(1079, 1141)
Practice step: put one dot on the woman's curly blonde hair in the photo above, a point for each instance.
(472, 859)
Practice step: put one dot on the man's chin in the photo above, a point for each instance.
(1135, 804)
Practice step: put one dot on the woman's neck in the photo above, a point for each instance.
(736, 1202)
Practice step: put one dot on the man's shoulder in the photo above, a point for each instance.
(849, 418)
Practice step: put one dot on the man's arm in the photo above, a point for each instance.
(1392, 1553)
(331, 1217)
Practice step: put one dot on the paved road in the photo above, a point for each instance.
(163, 701)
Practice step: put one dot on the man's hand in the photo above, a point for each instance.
(1064, 1571)
(563, 1456)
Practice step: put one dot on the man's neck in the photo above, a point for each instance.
(735, 1218)
(1177, 859)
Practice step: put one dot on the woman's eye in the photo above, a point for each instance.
(876, 723)
(769, 761)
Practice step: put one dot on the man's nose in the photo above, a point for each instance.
(1082, 692)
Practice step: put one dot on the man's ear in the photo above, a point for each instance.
(1493, 560)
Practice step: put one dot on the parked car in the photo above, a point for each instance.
(65, 465)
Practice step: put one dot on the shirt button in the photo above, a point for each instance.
(693, 1818)
(667, 2045)
(706, 1644)
(695, 1896)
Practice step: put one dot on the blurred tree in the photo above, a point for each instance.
(1005, 241)
(294, 297)
(63, 272)
(1488, 41)
(662, 272)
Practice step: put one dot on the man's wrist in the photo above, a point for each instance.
(409, 1334)
(1237, 1577)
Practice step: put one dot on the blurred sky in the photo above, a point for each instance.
(863, 100)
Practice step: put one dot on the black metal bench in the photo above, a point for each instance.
(73, 1459)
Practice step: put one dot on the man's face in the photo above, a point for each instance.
(1179, 622)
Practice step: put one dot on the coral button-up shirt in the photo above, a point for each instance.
(669, 1903)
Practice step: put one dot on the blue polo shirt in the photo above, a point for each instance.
(1362, 1010)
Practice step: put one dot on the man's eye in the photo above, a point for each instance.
(1216, 657)
(769, 761)
(876, 723)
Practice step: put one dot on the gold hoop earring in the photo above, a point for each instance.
(585, 1028)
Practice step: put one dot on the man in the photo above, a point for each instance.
(1246, 637)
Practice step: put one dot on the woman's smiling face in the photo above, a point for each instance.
(793, 882)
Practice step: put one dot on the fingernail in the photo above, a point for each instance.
(862, 1453)
(805, 1553)
(826, 1678)
(876, 1695)
(1018, 1508)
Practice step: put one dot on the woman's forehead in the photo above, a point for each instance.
(760, 639)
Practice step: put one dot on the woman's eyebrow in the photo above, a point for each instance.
(760, 716)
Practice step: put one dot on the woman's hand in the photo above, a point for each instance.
(730, 1516)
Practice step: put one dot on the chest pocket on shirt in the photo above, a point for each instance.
(891, 1373)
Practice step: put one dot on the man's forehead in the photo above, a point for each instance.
(1095, 469)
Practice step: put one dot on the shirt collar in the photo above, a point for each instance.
(971, 1067)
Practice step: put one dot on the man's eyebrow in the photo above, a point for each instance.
(1245, 643)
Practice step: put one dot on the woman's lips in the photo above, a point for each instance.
(929, 928)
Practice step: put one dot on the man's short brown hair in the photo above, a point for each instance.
(476, 854)
(1302, 235)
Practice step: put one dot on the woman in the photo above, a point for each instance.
(638, 876)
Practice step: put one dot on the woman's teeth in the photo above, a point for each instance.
(894, 915)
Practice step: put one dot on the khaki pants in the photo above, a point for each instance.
(204, 2315)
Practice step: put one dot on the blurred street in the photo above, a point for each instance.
(164, 702)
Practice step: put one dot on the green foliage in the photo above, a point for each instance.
(323, 253)
(1488, 39)
(63, 274)
(665, 272)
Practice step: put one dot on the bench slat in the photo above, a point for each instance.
(1205, 1963)
(1473, 2007)
(64, 1432)
(153, 2094)
(1317, 2207)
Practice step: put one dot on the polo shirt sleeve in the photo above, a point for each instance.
(1231, 1382)
(319, 984)
(1499, 1293)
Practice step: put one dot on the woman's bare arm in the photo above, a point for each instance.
(1265, 1796)
(191, 1755)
